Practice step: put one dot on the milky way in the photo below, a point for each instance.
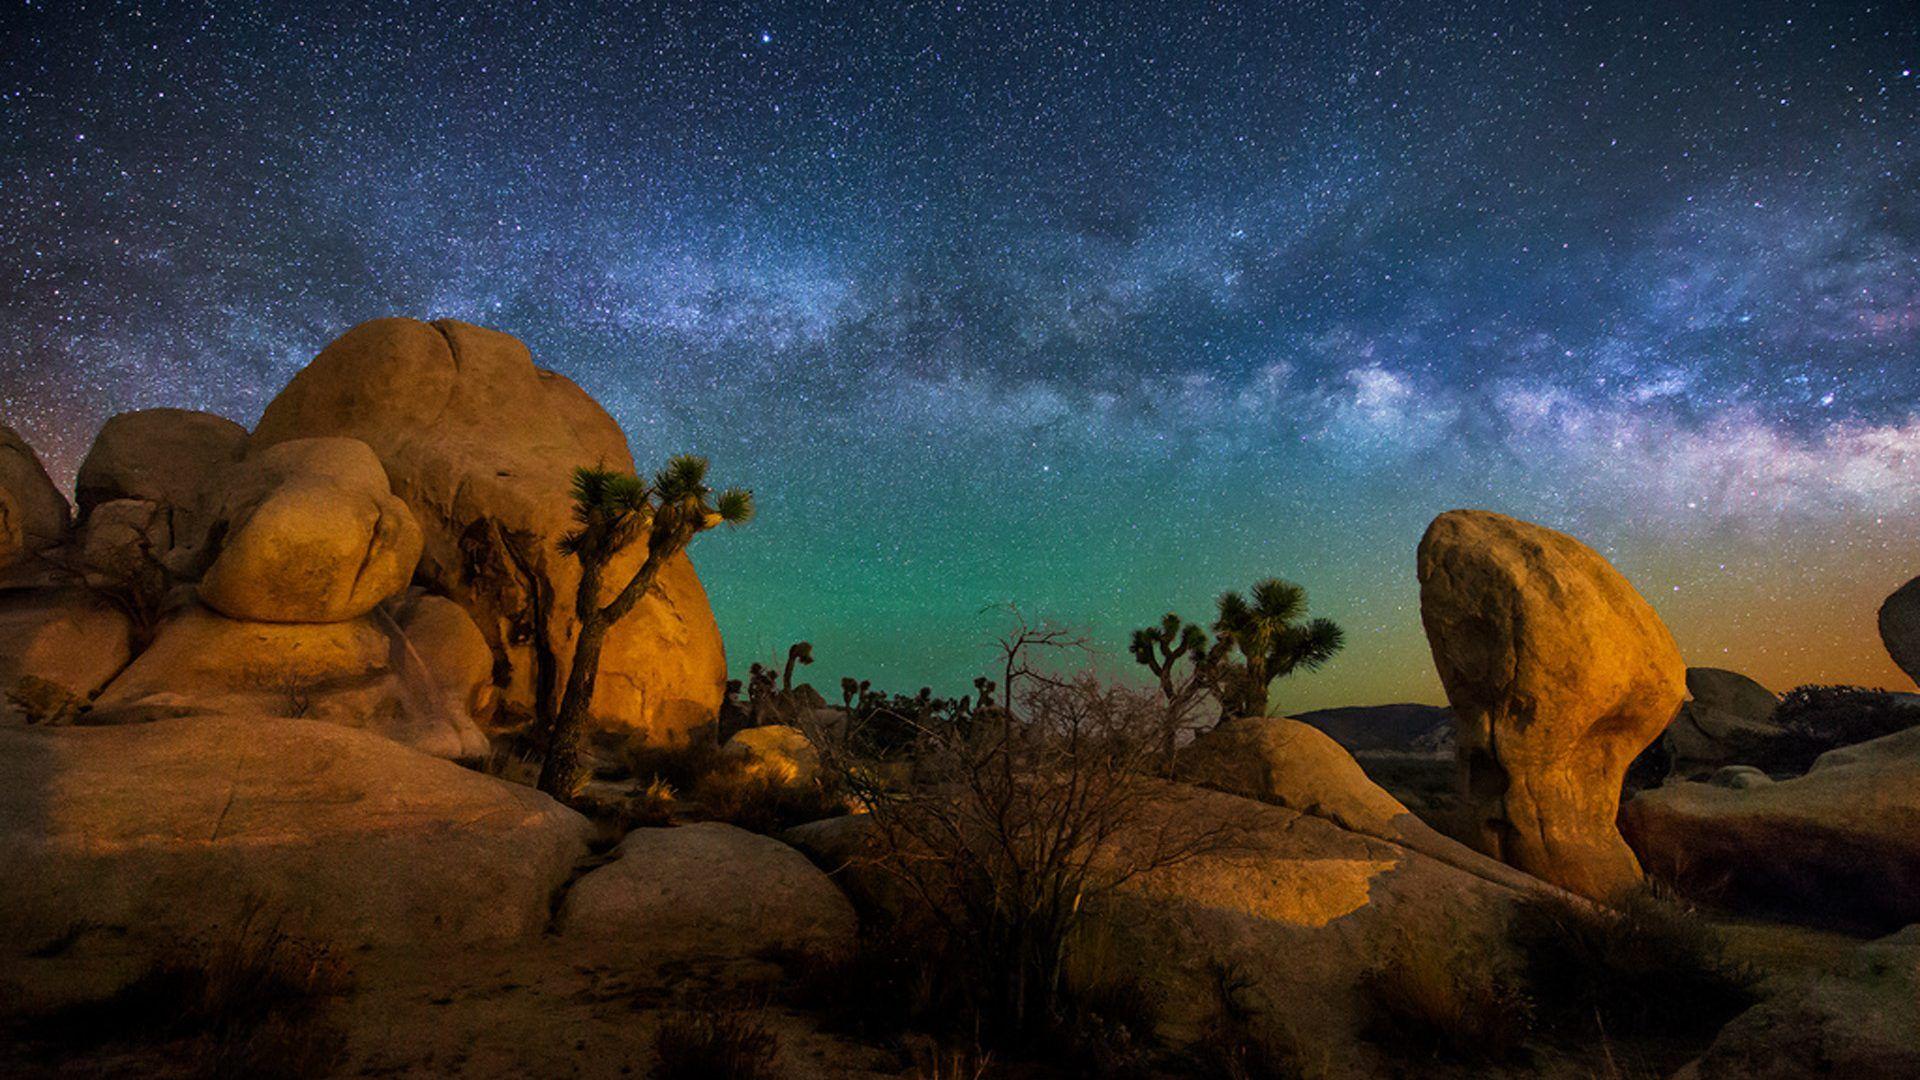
(1094, 310)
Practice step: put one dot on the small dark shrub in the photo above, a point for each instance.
(716, 1044)
(1649, 968)
(1440, 998)
(885, 989)
(1233, 1046)
(681, 764)
(1817, 719)
(763, 804)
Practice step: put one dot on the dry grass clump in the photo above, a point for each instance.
(1438, 998)
(245, 1001)
(1234, 1047)
(716, 1044)
(1647, 967)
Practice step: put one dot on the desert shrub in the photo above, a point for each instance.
(244, 1001)
(1649, 967)
(680, 765)
(1233, 1046)
(43, 701)
(764, 804)
(886, 988)
(1438, 997)
(716, 1044)
(1817, 719)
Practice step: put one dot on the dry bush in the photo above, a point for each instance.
(764, 804)
(1019, 823)
(1234, 1047)
(1441, 998)
(244, 1001)
(1651, 967)
(681, 764)
(716, 1044)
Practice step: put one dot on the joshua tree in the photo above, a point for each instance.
(612, 510)
(1161, 649)
(799, 652)
(1269, 630)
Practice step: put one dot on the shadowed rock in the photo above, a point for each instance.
(1559, 673)
(168, 457)
(33, 513)
(1900, 627)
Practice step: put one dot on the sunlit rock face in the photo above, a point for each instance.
(1559, 673)
(33, 513)
(1840, 844)
(177, 826)
(481, 444)
(1900, 627)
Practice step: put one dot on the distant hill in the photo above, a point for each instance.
(1406, 727)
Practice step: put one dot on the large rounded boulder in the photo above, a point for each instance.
(1900, 627)
(33, 513)
(176, 826)
(168, 457)
(482, 445)
(309, 532)
(1559, 673)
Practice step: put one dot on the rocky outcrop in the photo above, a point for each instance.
(33, 513)
(1840, 844)
(1728, 721)
(308, 532)
(481, 445)
(1394, 729)
(353, 673)
(1862, 1022)
(709, 890)
(440, 636)
(168, 457)
(1900, 627)
(176, 826)
(66, 642)
(1290, 764)
(775, 752)
(1559, 673)
(1301, 907)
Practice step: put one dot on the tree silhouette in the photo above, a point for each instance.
(1269, 629)
(799, 652)
(612, 510)
(1161, 649)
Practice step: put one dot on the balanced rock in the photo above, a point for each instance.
(1840, 844)
(709, 890)
(176, 826)
(1900, 627)
(168, 457)
(1559, 673)
(1729, 721)
(482, 445)
(33, 513)
(308, 532)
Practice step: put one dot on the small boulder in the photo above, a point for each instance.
(67, 638)
(1738, 777)
(1900, 627)
(709, 890)
(453, 652)
(33, 513)
(1559, 673)
(168, 457)
(776, 752)
(1729, 721)
(180, 825)
(308, 532)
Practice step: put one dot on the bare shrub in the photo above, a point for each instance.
(716, 1044)
(765, 804)
(1442, 998)
(1233, 1046)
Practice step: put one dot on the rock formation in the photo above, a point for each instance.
(481, 445)
(33, 513)
(179, 825)
(1841, 843)
(1729, 721)
(709, 889)
(1559, 673)
(776, 752)
(1900, 627)
(167, 457)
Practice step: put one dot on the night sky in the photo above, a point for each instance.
(1091, 309)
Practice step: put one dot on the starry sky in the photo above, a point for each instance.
(1094, 308)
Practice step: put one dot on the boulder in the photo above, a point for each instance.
(1729, 721)
(1900, 627)
(777, 752)
(1838, 845)
(451, 650)
(353, 674)
(482, 444)
(33, 513)
(307, 531)
(168, 457)
(1559, 673)
(1294, 765)
(1738, 777)
(176, 826)
(1301, 907)
(709, 890)
(1862, 1022)
(68, 638)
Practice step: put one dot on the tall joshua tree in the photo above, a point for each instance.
(1269, 629)
(799, 652)
(1161, 649)
(612, 510)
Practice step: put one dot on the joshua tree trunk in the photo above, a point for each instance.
(559, 771)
